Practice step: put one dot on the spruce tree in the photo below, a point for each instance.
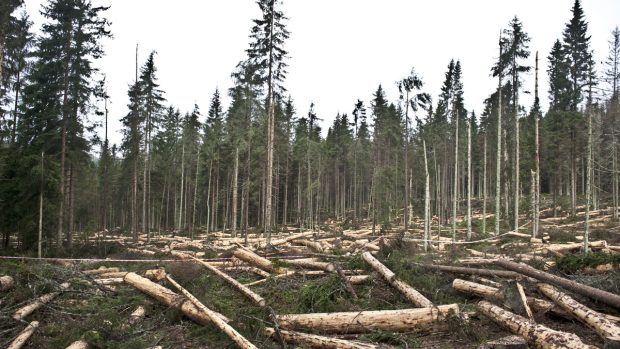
(267, 53)
(576, 47)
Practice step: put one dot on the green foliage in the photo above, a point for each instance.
(573, 263)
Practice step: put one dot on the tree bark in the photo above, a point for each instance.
(28, 309)
(6, 283)
(409, 292)
(538, 336)
(256, 260)
(169, 298)
(498, 172)
(598, 322)
(316, 341)
(584, 290)
(403, 320)
(255, 298)
(23, 337)
(214, 318)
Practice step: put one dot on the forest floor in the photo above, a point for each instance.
(99, 314)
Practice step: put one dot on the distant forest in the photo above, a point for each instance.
(260, 164)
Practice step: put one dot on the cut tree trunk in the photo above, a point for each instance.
(597, 321)
(409, 292)
(251, 295)
(169, 298)
(241, 341)
(136, 315)
(256, 260)
(403, 320)
(472, 271)
(514, 297)
(312, 263)
(23, 337)
(6, 283)
(78, 345)
(536, 335)
(584, 290)
(21, 313)
(496, 295)
(316, 341)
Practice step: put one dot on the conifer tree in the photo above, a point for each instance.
(267, 53)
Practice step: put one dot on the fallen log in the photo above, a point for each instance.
(584, 290)
(254, 270)
(409, 292)
(472, 271)
(251, 295)
(316, 341)
(169, 298)
(312, 263)
(595, 320)
(277, 242)
(236, 337)
(402, 320)
(79, 344)
(347, 283)
(514, 297)
(358, 279)
(536, 335)
(23, 337)
(6, 283)
(28, 309)
(496, 295)
(136, 315)
(109, 281)
(256, 260)
(101, 270)
(311, 244)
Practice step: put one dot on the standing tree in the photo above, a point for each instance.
(407, 86)
(576, 47)
(267, 53)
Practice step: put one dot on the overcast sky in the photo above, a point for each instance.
(339, 50)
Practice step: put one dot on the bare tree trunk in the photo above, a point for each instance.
(536, 221)
(498, 173)
(270, 133)
(469, 179)
(195, 195)
(39, 242)
(586, 234)
(456, 174)
(182, 191)
(209, 196)
(63, 146)
(16, 102)
(71, 206)
(517, 168)
(234, 192)
(406, 163)
(484, 188)
(427, 200)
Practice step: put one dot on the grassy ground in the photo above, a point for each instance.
(86, 312)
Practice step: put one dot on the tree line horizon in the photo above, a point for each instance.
(258, 164)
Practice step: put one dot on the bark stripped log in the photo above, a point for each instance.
(78, 345)
(536, 335)
(595, 320)
(136, 315)
(402, 320)
(584, 290)
(409, 292)
(21, 313)
(316, 341)
(514, 297)
(251, 295)
(169, 298)
(235, 336)
(23, 337)
(472, 271)
(312, 263)
(256, 260)
(6, 283)
(101, 270)
(496, 295)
